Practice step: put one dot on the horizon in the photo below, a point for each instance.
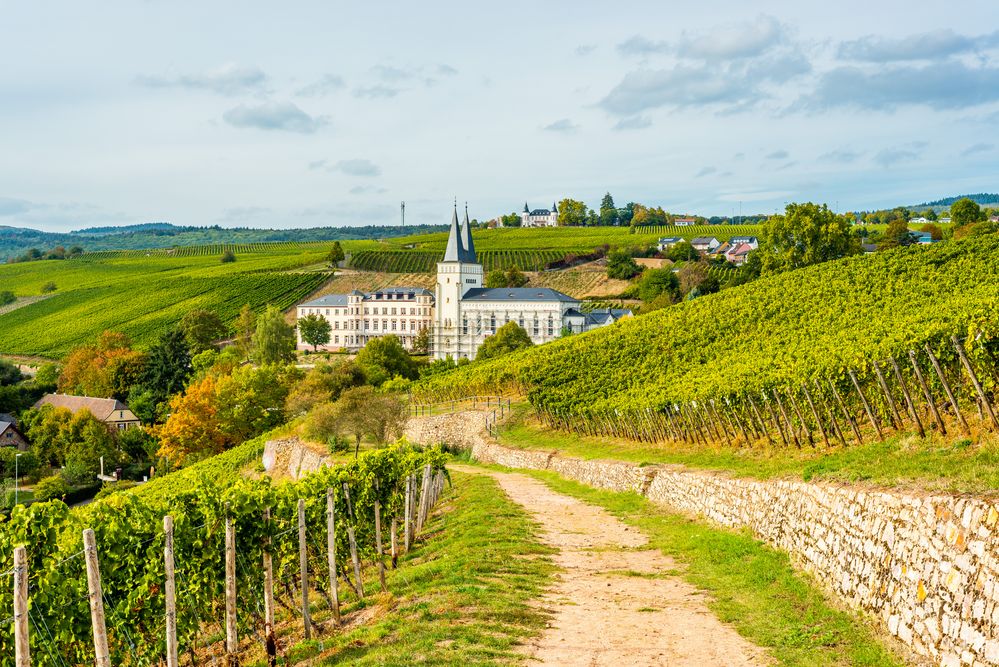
(301, 120)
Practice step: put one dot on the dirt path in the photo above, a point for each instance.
(616, 601)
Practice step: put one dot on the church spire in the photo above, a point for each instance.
(454, 252)
(467, 246)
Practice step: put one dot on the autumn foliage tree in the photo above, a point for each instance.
(105, 370)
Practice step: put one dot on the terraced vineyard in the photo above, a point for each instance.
(422, 261)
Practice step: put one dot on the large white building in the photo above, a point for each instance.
(459, 314)
(539, 217)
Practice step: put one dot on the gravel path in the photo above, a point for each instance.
(615, 601)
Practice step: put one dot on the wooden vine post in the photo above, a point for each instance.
(408, 513)
(974, 381)
(378, 540)
(926, 392)
(815, 414)
(101, 656)
(231, 638)
(946, 388)
(170, 593)
(846, 414)
(351, 538)
(395, 542)
(896, 417)
(22, 650)
(331, 556)
(270, 640)
(866, 404)
(303, 567)
(909, 405)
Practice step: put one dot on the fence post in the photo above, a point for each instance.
(231, 638)
(22, 651)
(102, 659)
(269, 639)
(170, 591)
(303, 566)
(331, 556)
(395, 542)
(946, 388)
(378, 544)
(407, 513)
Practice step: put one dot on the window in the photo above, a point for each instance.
(521, 321)
(393, 323)
(492, 322)
(336, 340)
(551, 326)
(464, 325)
(336, 325)
(367, 323)
(535, 325)
(393, 312)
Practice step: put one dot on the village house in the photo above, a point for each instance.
(738, 254)
(705, 244)
(539, 217)
(685, 222)
(751, 241)
(667, 242)
(111, 411)
(11, 437)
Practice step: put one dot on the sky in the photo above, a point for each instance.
(304, 114)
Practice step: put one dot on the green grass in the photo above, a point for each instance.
(461, 597)
(749, 585)
(902, 461)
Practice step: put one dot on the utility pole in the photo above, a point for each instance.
(402, 210)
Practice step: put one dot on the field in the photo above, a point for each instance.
(143, 295)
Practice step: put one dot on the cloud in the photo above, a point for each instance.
(970, 150)
(349, 213)
(329, 83)
(563, 125)
(243, 213)
(778, 155)
(274, 116)
(585, 49)
(705, 171)
(13, 206)
(446, 70)
(840, 156)
(637, 45)
(389, 73)
(376, 92)
(633, 123)
(367, 189)
(229, 79)
(891, 156)
(949, 85)
(932, 45)
(734, 40)
(358, 167)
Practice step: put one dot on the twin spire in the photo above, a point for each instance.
(460, 247)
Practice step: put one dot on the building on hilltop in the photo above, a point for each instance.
(539, 217)
(459, 314)
(111, 411)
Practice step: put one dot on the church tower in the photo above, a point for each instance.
(457, 273)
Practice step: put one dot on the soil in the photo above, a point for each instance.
(617, 601)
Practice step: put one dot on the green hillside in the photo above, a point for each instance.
(777, 332)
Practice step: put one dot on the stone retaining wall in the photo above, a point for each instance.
(292, 457)
(927, 565)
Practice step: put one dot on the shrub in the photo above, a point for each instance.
(228, 257)
(51, 488)
(6, 296)
(49, 287)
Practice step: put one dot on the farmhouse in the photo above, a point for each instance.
(112, 412)
(539, 217)
(11, 437)
(685, 222)
(705, 243)
(667, 242)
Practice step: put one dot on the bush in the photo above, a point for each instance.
(51, 488)
(49, 287)
(228, 257)
(323, 423)
(6, 296)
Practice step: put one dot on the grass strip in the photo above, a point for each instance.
(749, 584)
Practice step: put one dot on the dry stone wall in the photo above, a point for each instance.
(927, 565)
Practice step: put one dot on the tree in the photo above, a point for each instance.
(621, 265)
(897, 235)
(249, 402)
(108, 369)
(655, 282)
(49, 287)
(421, 343)
(336, 255)
(193, 427)
(608, 212)
(511, 220)
(933, 230)
(274, 339)
(51, 488)
(683, 252)
(322, 384)
(7, 297)
(246, 325)
(315, 330)
(965, 212)
(9, 373)
(360, 412)
(512, 277)
(383, 358)
(169, 365)
(625, 214)
(228, 257)
(571, 213)
(695, 277)
(805, 234)
(508, 338)
(202, 328)
(643, 215)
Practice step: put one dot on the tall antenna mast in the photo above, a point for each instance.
(402, 209)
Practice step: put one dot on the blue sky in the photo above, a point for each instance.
(307, 114)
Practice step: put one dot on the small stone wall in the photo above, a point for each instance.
(292, 457)
(927, 565)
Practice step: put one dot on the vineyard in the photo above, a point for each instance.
(230, 552)
(217, 249)
(750, 363)
(416, 261)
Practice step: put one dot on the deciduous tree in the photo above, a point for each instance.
(274, 339)
(202, 329)
(571, 213)
(314, 330)
(805, 234)
(508, 338)
(965, 212)
(621, 265)
(383, 358)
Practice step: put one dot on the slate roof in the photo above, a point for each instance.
(453, 252)
(535, 294)
(736, 240)
(4, 425)
(330, 300)
(671, 239)
(340, 300)
(541, 211)
(599, 315)
(702, 240)
(467, 251)
(99, 407)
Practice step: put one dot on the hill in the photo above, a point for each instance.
(16, 240)
(777, 332)
(982, 198)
